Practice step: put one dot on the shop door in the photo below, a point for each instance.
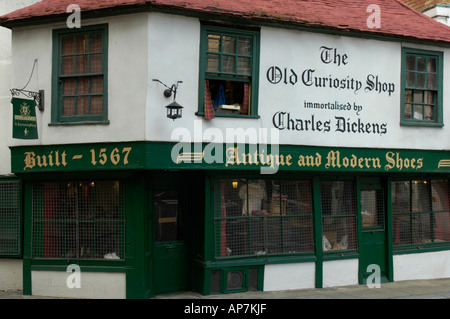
(170, 258)
(373, 244)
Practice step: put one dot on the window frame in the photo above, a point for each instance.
(435, 243)
(438, 110)
(254, 65)
(57, 109)
(38, 223)
(277, 217)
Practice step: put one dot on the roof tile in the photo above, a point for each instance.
(397, 18)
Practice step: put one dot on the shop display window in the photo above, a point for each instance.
(262, 217)
(10, 218)
(338, 216)
(420, 212)
(78, 220)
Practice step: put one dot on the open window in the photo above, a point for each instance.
(228, 74)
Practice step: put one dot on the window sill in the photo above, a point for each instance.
(70, 123)
(201, 114)
(423, 124)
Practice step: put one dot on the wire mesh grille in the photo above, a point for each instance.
(420, 212)
(256, 217)
(372, 209)
(10, 220)
(338, 216)
(78, 220)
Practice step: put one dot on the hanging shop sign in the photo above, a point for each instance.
(24, 119)
(268, 159)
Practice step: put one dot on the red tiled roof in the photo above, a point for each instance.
(397, 18)
(421, 5)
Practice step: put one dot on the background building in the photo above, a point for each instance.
(438, 10)
(312, 149)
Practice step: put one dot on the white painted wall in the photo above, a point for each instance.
(11, 277)
(430, 265)
(93, 285)
(340, 273)
(289, 276)
(298, 51)
(6, 6)
(127, 81)
(148, 46)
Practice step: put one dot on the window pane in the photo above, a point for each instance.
(69, 86)
(212, 63)
(431, 83)
(81, 43)
(10, 218)
(418, 96)
(97, 85)
(228, 64)
(410, 62)
(408, 111)
(429, 112)
(68, 106)
(82, 220)
(96, 105)
(82, 105)
(168, 218)
(431, 65)
(68, 45)
(244, 66)
(429, 97)
(244, 46)
(95, 63)
(95, 44)
(421, 64)
(82, 86)
(372, 208)
(228, 44)
(68, 65)
(421, 80)
(255, 217)
(441, 207)
(213, 43)
(338, 216)
(418, 111)
(82, 64)
(410, 79)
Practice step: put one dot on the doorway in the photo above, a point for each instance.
(170, 266)
(373, 259)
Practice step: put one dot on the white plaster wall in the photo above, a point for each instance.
(299, 51)
(148, 46)
(127, 81)
(289, 276)
(5, 82)
(93, 285)
(340, 273)
(431, 265)
(11, 277)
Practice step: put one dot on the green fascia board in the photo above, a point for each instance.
(224, 157)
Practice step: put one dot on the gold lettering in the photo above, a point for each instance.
(30, 161)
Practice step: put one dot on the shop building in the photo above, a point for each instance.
(312, 149)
